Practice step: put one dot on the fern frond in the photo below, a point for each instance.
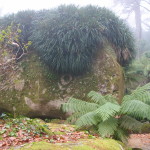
(141, 94)
(129, 123)
(135, 108)
(88, 119)
(108, 127)
(127, 98)
(107, 110)
(76, 105)
(121, 135)
(97, 98)
(111, 98)
(73, 118)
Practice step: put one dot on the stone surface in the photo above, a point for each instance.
(34, 91)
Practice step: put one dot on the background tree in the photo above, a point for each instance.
(0, 11)
(138, 7)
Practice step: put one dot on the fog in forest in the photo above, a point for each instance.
(84, 63)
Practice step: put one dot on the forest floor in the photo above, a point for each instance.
(21, 131)
(35, 134)
(141, 141)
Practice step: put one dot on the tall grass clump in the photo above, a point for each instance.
(69, 38)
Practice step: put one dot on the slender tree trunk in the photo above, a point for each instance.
(137, 12)
(0, 12)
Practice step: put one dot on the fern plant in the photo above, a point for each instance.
(109, 118)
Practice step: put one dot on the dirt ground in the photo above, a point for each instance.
(140, 141)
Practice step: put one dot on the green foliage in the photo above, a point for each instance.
(141, 94)
(107, 110)
(145, 128)
(69, 39)
(107, 127)
(143, 64)
(107, 116)
(129, 123)
(10, 36)
(135, 108)
(24, 19)
(138, 72)
(31, 126)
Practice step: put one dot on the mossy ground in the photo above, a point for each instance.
(145, 128)
(81, 144)
(89, 144)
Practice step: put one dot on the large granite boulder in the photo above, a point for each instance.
(29, 88)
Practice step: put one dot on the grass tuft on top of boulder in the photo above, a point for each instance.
(68, 38)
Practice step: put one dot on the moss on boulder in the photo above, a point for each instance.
(85, 141)
(90, 144)
(35, 91)
(145, 128)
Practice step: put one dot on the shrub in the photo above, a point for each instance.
(109, 118)
(138, 72)
(24, 19)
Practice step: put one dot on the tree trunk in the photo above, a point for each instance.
(137, 12)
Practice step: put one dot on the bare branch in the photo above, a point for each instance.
(145, 8)
(129, 13)
(15, 58)
(146, 24)
(146, 2)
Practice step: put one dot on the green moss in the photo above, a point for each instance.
(145, 128)
(38, 86)
(42, 86)
(106, 144)
(82, 144)
(58, 121)
(97, 144)
(41, 146)
(1, 138)
(82, 147)
(39, 78)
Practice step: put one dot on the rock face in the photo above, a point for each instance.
(34, 91)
